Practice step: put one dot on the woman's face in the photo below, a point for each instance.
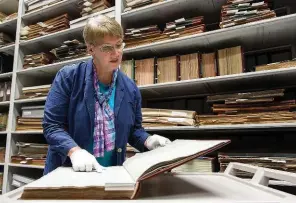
(108, 53)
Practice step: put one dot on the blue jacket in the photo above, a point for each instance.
(69, 115)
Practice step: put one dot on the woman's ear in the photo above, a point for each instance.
(90, 49)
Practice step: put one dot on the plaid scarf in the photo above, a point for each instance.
(104, 130)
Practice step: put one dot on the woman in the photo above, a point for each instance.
(93, 109)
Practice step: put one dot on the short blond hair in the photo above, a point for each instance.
(100, 26)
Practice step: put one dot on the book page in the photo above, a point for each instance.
(141, 163)
(65, 177)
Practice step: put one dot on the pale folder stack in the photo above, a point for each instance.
(118, 182)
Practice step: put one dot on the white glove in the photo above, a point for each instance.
(155, 141)
(84, 161)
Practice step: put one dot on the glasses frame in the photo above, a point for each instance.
(113, 48)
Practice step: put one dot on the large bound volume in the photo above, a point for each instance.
(30, 153)
(167, 69)
(35, 91)
(278, 65)
(128, 68)
(35, 60)
(208, 68)
(94, 6)
(144, 71)
(118, 182)
(230, 61)
(44, 28)
(144, 35)
(69, 50)
(245, 11)
(183, 27)
(189, 66)
(132, 4)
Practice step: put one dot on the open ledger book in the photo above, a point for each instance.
(118, 182)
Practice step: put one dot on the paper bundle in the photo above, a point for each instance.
(31, 118)
(69, 50)
(132, 4)
(30, 153)
(167, 117)
(93, 6)
(35, 91)
(40, 59)
(237, 12)
(44, 28)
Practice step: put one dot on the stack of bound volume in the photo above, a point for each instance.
(35, 60)
(238, 12)
(30, 153)
(132, 4)
(250, 108)
(69, 50)
(167, 117)
(279, 161)
(144, 35)
(5, 39)
(230, 61)
(183, 27)
(31, 118)
(278, 65)
(35, 91)
(39, 29)
(33, 5)
(2, 154)
(93, 6)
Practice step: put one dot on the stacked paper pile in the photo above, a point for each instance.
(237, 12)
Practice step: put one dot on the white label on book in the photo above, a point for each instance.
(171, 26)
(178, 120)
(27, 113)
(258, 4)
(42, 24)
(180, 28)
(178, 113)
(252, 12)
(180, 20)
(244, 5)
(231, 11)
(136, 31)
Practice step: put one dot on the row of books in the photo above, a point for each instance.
(30, 118)
(2, 154)
(269, 106)
(184, 67)
(89, 7)
(244, 11)
(178, 28)
(70, 49)
(30, 154)
(133, 4)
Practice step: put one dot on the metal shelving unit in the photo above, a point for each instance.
(250, 36)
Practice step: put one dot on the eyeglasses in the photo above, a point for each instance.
(107, 48)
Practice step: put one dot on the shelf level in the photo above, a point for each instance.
(50, 69)
(37, 132)
(25, 166)
(23, 101)
(222, 84)
(52, 10)
(9, 26)
(4, 103)
(250, 36)
(224, 127)
(170, 10)
(9, 49)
